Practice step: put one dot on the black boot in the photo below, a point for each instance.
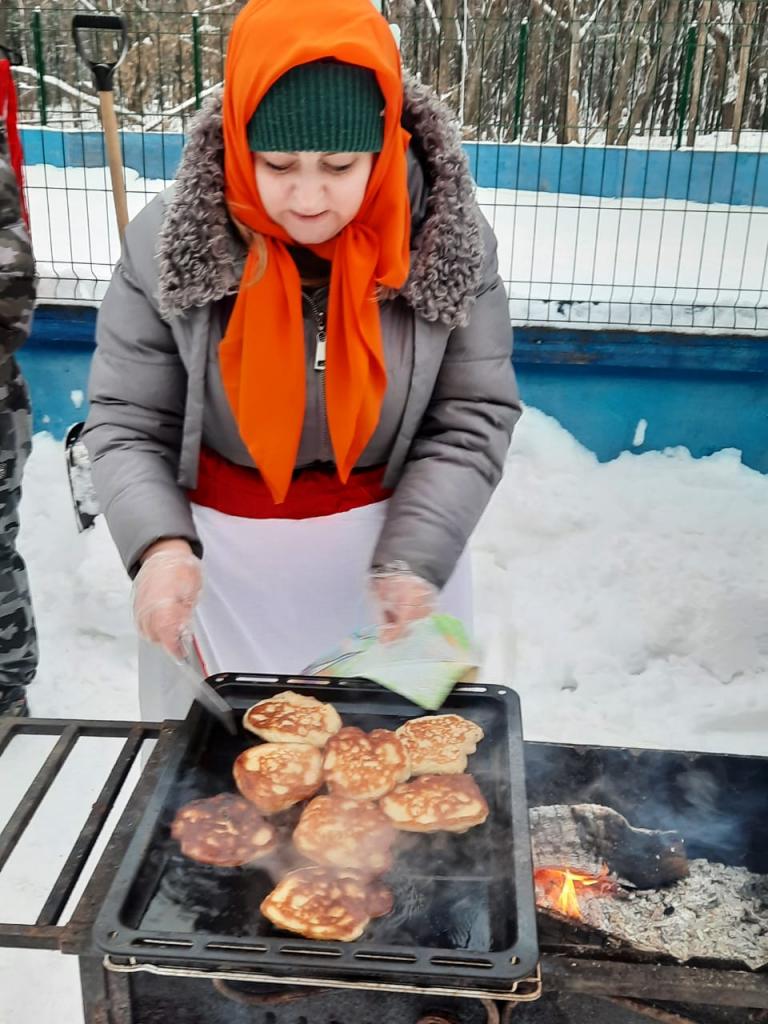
(13, 701)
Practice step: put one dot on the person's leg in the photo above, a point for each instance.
(18, 638)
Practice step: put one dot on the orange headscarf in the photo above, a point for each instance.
(262, 353)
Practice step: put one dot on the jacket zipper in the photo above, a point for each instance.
(318, 315)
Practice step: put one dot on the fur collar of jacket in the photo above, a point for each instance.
(200, 255)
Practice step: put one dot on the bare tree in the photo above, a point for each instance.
(593, 70)
(704, 14)
(668, 33)
(749, 21)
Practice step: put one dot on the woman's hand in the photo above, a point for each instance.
(165, 593)
(401, 597)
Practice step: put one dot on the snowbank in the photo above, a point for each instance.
(627, 601)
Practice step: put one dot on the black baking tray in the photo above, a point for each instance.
(464, 913)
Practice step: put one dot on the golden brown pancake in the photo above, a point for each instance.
(275, 776)
(439, 744)
(364, 766)
(293, 718)
(333, 906)
(225, 830)
(436, 803)
(341, 833)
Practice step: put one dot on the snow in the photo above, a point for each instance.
(565, 259)
(640, 431)
(598, 586)
(74, 230)
(81, 600)
(713, 142)
(625, 602)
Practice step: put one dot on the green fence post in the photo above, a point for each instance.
(682, 109)
(522, 58)
(37, 34)
(196, 59)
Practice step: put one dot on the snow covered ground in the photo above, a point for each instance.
(565, 259)
(604, 592)
(626, 602)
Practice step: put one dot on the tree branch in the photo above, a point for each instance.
(552, 13)
(218, 7)
(71, 90)
(591, 19)
(433, 16)
(180, 107)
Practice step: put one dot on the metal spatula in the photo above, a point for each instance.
(192, 667)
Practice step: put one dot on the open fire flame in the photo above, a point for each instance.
(559, 889)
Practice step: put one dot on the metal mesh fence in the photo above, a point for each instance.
(619, 146)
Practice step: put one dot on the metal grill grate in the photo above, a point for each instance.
(46, 932)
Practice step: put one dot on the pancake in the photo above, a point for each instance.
(439, 744)
(364, 766)
(334, 906)
(341, 833)
(275, 776)
(290, 717)
(436, 803)
(225, 830)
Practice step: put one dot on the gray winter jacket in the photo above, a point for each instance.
(155, 365)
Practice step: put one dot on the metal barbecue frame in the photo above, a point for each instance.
(46, 932)
(106, 993)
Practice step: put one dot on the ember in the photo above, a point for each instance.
(558, 889)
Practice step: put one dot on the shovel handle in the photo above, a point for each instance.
(115, 157)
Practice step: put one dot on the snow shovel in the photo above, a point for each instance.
(84, 500)
(103, 72)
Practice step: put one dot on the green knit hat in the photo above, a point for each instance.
(322, 107)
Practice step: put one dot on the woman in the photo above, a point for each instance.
(302, 383)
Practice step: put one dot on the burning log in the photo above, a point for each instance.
(558, 889)
(588, 838)
(717, 911)
(585, 855)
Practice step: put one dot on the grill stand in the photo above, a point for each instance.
(111, 996)
(525, 991)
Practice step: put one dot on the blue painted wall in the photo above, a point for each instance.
(150, 154)
(731, 176)
(705, 393)
(703, 412)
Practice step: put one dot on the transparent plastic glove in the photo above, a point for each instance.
(400, 597)
(165, 593)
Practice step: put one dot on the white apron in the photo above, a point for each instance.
(277, 594)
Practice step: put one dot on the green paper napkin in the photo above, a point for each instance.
(423, 665)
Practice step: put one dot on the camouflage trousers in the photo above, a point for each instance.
(18, 639)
